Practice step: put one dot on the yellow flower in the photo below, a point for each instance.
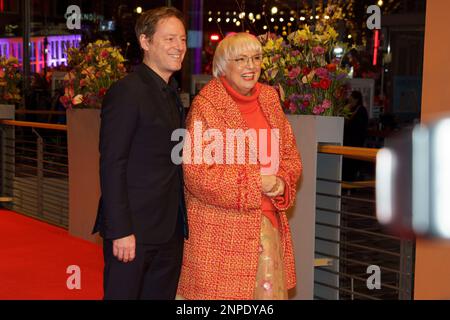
(13, 60)
(273, 45)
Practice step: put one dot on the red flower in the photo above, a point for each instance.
(306, 71)
(65, 101)
(331, 67)
(102, 92)
(325, 83)
(305, 103)
(315, 84)
(104, 54)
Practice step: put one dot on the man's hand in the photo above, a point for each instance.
(124, 249)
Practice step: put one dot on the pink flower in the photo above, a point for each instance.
(292, 107)
(322, 72)
(294, 73)
(318, 50)
(318, 110)
(326, 104)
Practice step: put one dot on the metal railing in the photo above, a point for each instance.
(35, 175)
(358, 241)
(35, 170)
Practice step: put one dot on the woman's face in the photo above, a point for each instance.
(243, 71)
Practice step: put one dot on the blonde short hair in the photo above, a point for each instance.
(230, 47)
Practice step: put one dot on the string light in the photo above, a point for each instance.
(274, 10)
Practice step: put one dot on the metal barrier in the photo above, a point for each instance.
(35, 170)
(362, 241)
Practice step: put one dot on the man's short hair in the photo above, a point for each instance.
(148, 20)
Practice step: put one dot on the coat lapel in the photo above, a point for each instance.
(226, 106)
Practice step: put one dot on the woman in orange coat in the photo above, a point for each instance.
(239, 244)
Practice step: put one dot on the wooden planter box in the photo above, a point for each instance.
(83, 127)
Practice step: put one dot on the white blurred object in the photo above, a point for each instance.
(413, 182)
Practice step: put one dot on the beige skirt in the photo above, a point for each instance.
(270, 277)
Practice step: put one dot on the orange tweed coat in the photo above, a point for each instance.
(224, 203)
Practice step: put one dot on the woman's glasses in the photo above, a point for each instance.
(244, 61)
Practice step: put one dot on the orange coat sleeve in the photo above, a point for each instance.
(230, 186)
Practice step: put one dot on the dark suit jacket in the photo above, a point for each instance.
(142, 189)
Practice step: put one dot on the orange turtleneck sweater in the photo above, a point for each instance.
(254, 118)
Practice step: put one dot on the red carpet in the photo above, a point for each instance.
(34, 258)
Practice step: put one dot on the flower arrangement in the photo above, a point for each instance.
(93, 69)
(303, 69)
(10, 78)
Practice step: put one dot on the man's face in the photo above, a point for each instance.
(164, 53)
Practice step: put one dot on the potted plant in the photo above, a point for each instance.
(306, 72)
(10, 79)
(92, 70)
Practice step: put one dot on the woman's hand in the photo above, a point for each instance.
(278, 189)
(268, 182)
(272, 186)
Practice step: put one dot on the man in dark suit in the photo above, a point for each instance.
(142, 216)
